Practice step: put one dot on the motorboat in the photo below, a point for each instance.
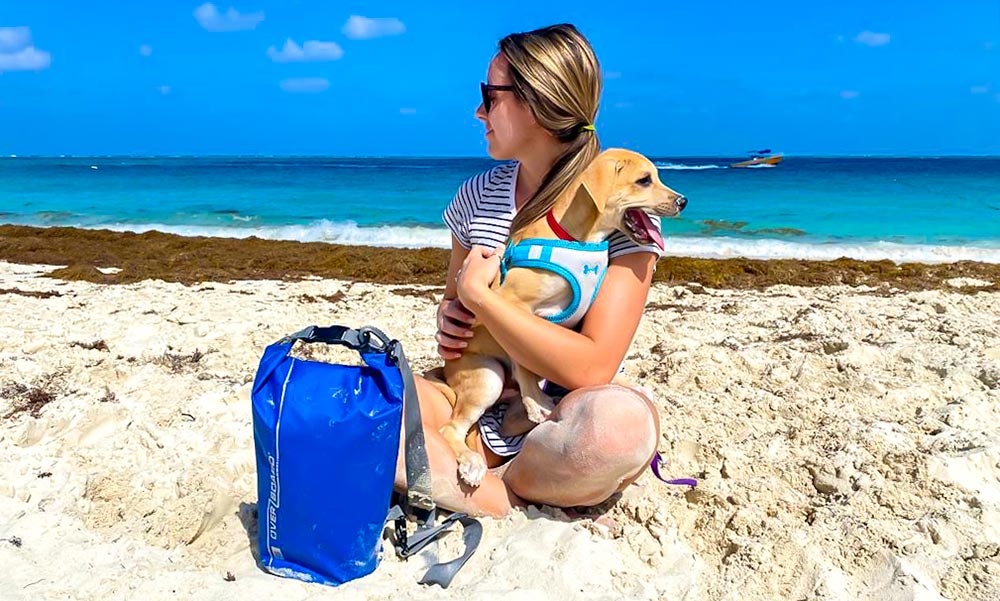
(759, 158)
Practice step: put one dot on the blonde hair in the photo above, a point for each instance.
(555, 73)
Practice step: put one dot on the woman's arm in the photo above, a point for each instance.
(572, 359)
(453, 320)
(458, 254)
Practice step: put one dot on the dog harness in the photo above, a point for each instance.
(581, 264)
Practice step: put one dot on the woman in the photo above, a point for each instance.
(538, 108)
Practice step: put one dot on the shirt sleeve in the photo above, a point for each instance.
(458, 214)
(619, 244)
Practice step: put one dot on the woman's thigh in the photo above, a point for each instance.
(596, 442)
(490, 497)
(435, 411)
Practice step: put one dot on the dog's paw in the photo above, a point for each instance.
(471, 468)
(537, 413)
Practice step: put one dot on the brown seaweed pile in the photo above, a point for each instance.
(191, 260)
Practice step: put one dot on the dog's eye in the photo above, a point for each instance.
(646, 181)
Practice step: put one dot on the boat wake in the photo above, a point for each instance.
(681, 167)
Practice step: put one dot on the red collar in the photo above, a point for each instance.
(558, 229)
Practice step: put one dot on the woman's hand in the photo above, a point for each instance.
(454, 323)
(473, 279)
(480, 268)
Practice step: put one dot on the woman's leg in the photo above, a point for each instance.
(491, 497)
(596, 442)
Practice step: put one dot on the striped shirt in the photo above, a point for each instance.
(483, 209)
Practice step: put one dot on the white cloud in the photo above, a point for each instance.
(17, 53)
(27, 59)
(870, 38)
(311, 51)
(407, 111)
(146, 50)
(232, 20)
(980, 89)
(164, 90)
(849, 94)
(305, 85)
(363, 28)
(13, 39)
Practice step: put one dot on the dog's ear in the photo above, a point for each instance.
(600, 179)
(599, 200)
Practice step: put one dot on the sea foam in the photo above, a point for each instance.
(717, 247)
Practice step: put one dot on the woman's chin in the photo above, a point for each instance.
(497, 154)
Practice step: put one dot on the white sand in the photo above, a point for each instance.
(847, 445)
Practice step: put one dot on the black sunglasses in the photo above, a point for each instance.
(486, 88)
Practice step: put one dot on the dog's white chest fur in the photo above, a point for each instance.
(554, 294)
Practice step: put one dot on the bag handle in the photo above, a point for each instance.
(360, 340)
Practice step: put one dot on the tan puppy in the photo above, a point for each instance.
(613, 193)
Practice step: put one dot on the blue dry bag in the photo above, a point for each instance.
(326, 438)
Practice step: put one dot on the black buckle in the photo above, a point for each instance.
(400, 526)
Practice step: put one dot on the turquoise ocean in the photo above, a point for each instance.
(902, 209)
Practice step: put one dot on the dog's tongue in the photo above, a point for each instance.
(650, 228)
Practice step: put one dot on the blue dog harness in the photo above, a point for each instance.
(581, 264)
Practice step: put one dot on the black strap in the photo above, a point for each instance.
(410, 544)
(418, 470)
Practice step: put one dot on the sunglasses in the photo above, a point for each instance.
(486, 88)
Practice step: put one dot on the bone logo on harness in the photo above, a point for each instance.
(591, 269)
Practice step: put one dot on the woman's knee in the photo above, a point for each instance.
(597, 441)
(614, 425)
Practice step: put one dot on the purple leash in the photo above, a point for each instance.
(658, 462)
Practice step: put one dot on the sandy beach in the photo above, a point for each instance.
(846, 439)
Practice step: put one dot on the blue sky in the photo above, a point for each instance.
(401, 78)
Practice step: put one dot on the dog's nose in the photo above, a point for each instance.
(681, 202)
